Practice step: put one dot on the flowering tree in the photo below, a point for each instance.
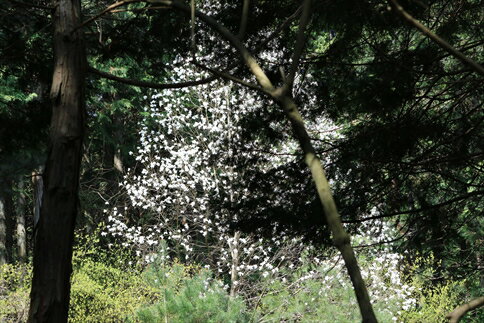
(187, 159)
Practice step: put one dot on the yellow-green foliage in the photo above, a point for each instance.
(14, 292)
(105, 288)
(102, 293)
(434, 303)
(436, 300)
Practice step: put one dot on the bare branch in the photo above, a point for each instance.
(300, 42)
(456, 315)
(279, 29)
(150, 85)
(108, 9)
(192, 29)
(243, 19)
(439, 41)
(139, 9)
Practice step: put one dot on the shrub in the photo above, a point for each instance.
(14, 292)
(104, 286)
(436, 300)
(102, 293)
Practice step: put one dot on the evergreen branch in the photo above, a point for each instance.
(24, 4)
(413, 211)
(107, 10)
(439, 41)
(151, 85)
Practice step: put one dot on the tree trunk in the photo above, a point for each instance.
(234, 253)
(341, 238)
(21, 235)
(54, 232)
(6, 222)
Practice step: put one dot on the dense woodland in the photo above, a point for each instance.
(241, 161)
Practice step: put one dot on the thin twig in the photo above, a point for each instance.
(413, 211)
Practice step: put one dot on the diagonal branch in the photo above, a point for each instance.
(249, 60)
(278, 30)
(150, 85)
(341, 238)
(192, 29)
(439, 41)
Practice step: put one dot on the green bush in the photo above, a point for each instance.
(102, 293)
(104, 287)
(434, 304)
(14, 292)
(189, 294)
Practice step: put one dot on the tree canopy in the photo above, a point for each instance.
(208, 127)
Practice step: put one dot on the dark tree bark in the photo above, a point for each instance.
(54, 231)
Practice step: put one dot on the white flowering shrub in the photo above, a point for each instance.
(187, 161)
